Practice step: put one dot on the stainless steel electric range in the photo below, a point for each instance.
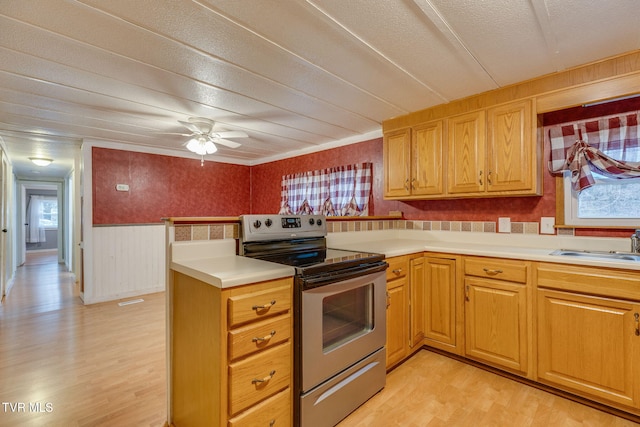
(339, 310)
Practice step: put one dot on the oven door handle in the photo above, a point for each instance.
(328, 278)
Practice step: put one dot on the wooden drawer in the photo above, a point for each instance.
(258, 336)
(494, 268)
(275, 411)
(258, 377)
(260, 302)
(607, 282)
(398, 267)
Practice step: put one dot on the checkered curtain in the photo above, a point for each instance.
(609, 145)
(338, 191)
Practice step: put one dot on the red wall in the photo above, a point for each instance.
(266, 190)
(164, 186)
(266, 178)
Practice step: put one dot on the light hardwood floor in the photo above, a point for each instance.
(103, 364)
(93, 365)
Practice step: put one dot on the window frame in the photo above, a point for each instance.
(569, 203)
(50, 227)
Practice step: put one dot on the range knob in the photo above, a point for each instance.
(319, 222)
(257, 223)
(268, 222)
(311, 221)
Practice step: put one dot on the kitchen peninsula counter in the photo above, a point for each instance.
(214, 262)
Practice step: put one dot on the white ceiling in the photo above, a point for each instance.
(294, 75)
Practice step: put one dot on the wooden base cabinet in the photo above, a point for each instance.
(590, 344)
(405, 307)
(397, 310)
(230, 353)
(441, 322)
(496, 320)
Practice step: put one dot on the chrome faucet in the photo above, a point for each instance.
(635, 242)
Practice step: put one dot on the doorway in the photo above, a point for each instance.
(41, 227)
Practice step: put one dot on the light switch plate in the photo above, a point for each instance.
(547, 225)
(504, 225)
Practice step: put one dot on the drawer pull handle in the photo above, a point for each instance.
(265, 338)
(492, 272)
(265, 379)
(388, 299)
(636, 316)
(397, 271)
(480, 179)
(264, 307)
(272, 423)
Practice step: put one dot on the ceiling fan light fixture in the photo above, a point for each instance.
(201, 146)
(40, 161)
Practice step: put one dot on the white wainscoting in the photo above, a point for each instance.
(128, 260)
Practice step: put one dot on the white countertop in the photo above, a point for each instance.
(214, 261)
(393, 243)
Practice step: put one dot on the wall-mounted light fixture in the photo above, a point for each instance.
(40, 161)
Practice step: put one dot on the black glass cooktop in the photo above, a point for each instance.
(320, 260)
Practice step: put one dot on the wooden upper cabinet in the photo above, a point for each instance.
(466, 140)
(426, 159)
(511, 145)
(396, 159)
(502, 159)
(413, 161)
(484, 153)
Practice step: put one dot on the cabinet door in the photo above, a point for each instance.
(427, 160)
(511, 156)
(495, 323)
(397, 321)
(416, 303)
(397, 162)
(466, 142)
(589, 344)
(440, 303)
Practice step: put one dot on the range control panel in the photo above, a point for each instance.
(281, 227)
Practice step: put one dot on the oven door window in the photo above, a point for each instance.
(346, 316)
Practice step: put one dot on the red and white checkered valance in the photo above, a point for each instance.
(338, 191)
(609, 145)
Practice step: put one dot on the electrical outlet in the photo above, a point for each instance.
(547, 225)
(504, 225)
(122, 187)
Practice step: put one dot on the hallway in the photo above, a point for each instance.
(66, 364)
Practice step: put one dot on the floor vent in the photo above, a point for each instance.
(133, 301)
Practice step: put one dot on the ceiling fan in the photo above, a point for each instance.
(204, 138)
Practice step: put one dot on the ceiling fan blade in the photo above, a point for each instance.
(226, 143)
(230, 134)
(174, 133)
(193, 128)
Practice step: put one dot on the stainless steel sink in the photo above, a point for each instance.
(612, 255)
